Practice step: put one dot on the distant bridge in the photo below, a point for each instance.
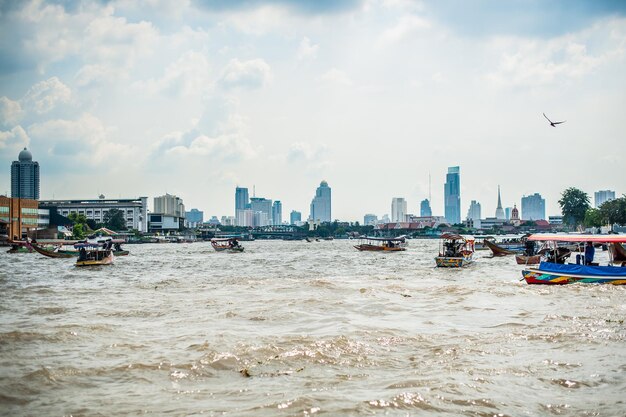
(277, 232)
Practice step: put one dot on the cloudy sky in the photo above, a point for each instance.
(138, 98)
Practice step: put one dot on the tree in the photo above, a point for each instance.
(114, 219)
(574, 205)
(78, 231)
(614, 211)
(593, 218)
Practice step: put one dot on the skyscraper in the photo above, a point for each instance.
(499, 211)
(370, 219)
(473, 213)
(603, 196)
(321, 204)
(398, 209)
(25, 177)
(262, 209)
(242, 202)
(533, 207)
(295, 217)
(425, 210)
(452, 195)
(277, 213)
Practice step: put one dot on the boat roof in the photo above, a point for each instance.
(223, 239)
(549, 237)
(454, 236)
(385, 239)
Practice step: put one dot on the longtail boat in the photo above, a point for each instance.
(552, 273)
(527, 260)
(226, 245)
(381, 244)
(619, 254)
(455, 251)
(498, 250)
(52, 253)
(18, 246)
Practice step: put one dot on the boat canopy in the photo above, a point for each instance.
(223, 239)
(596, 271)
(385, 239)
(453, 236)
(549, 237)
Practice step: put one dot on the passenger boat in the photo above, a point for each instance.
(94, 255)
(381, 244)
(559, 273)
(455, 251)
(228, 244)
(61, 251)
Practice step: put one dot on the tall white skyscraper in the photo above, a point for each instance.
(603, 196)
(321, 203)
(398, 209)
(473, 213)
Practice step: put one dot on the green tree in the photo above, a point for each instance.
(77, 218)
(114, 219)
(574, 205)
(593, 218)
(614, 211)
(78, 231)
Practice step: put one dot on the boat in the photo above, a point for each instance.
(560, 273)
(527, 260)
(228, 244)
(618, 253)
(52, 253)
(381, 244)
(456, 251)
(94, 255)
(61, 251)
(501, 250)
(19, 246)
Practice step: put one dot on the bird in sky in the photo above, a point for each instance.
(553, 124)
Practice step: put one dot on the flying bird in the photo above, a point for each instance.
(553, 124)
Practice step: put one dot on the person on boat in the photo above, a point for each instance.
(530, 248)
(117, 247)
(82, 254)
(590, 251)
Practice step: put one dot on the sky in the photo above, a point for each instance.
(193, 98)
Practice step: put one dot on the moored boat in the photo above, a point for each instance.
(381, 244)
(456, 251)
(226, 245)
(559, 273)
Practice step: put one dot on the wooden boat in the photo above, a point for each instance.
(618, 253)
(455, 251)
(91, 255)
(18, 246)
(553, 273)
(381, 244)
(228, 244)
(527, 260)
(52, 253)
(498, 250)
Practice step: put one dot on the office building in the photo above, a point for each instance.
(194, 218)
(20, 217)
(533, 207)
(25, 177)
(321, 204)
(242, 202)
(452, 195)
(507, 213)
(168, 214)
(370, 219)
(295, 217)
(398, 209)
(603, 196)
(425, 210)
(499, 211)
(135, 210)
(277, 213)
(262, 209)
(473, 213)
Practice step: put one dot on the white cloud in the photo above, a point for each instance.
(12, 141)
(406, 27)
(312, 157)
(45, 96)
(188, 75)
(251, 74)
(337, 76)
(306, 50)
(10, 111)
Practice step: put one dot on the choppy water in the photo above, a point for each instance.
(296, 329)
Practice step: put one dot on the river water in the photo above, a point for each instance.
(299, 329)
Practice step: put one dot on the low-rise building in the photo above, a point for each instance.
(20, 217)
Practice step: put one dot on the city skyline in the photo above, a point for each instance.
(194, 98)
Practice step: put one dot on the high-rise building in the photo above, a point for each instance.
(507, 212)
(398, 209)
(473, 213)
(170, 205)
(295, 217)
(370, 219)
(25, 176)
(499, 211)
(533, 207)
(425, 210)
(321, 204)
(262, 209)
(242, 202)
(277, 213)
(194, 218)
(452, 195)
(603, 196)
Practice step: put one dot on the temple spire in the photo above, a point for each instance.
(499, 212)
